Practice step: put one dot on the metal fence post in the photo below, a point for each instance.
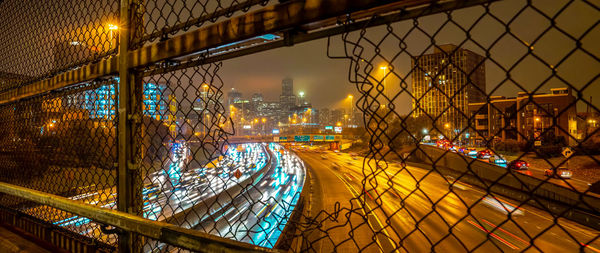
(128, 187)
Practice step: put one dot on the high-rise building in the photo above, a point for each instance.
(233, 96)
(287, 87)
(337, 115)
(444, 83)
(325, 117)
(257, 98)
(287, 98)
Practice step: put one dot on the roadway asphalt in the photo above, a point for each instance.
(420, 211)
(572, 183)
(169, 191)
(259, 215)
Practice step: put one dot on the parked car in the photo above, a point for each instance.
(497, 159)
(484, 154)
(561, 172)
(518, 165)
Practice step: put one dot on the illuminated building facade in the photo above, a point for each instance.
(157, 100)
(444, 83)
(525, 117)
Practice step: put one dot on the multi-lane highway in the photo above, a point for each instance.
(415, 210)
(173, 189)
(259, 215)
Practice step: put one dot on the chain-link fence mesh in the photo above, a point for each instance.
(41, 39)
(200, 180)
(164, 19)
(465, 113)
(63, 143)
(498, 84)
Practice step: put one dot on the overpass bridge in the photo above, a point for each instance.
(335, 142)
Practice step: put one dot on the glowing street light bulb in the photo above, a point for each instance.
(113, 27)
(301, 94)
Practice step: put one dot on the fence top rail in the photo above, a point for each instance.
(305, 15)
(162, 231)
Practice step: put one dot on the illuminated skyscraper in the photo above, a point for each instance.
(287, 98)
(444, 83)
(233, 96)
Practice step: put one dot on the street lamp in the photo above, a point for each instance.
(384, 68)
(351, 105)
(111, 28)
(538, 119)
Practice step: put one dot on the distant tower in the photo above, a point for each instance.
(287, 98)
(287, 87)
(233, 96)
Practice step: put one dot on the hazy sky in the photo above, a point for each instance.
(325, 81)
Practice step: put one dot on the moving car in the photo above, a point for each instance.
(518, 165)
(497, 159)
(484, 154)
(336, 166)
(471, 152)
(561, 172)
(323, 157)
(442, 143)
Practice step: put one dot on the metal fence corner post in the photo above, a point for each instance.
(129, 90)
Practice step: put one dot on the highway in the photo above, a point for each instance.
(170, 190)
(572, 183)
(423, 207)
(259, 215)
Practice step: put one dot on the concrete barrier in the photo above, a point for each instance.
(556, 199)
(291, 229)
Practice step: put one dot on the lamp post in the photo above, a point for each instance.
(351, 106)
(111, 28)
(538, 119)
(384, 68)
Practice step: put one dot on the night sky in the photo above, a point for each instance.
(325, 81)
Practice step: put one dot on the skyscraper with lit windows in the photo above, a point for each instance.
(444, 83)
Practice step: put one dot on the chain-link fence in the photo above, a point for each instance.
(63, 143)
(496, 94)
(480, 132)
